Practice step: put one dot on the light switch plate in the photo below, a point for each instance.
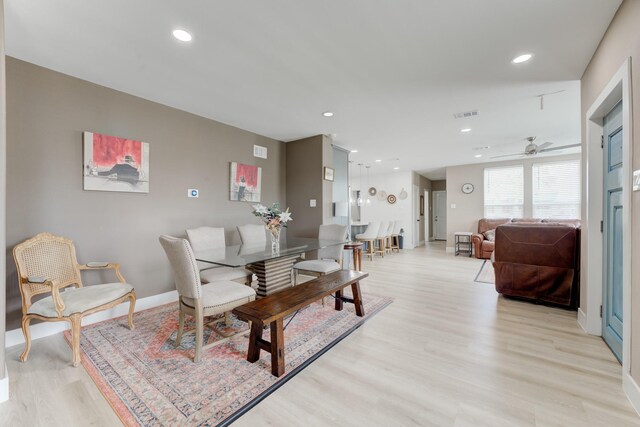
(312, 203)
(193, 192)
(453, 205)
(636, 180)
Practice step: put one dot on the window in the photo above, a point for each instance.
(504, 192)
(556, 189)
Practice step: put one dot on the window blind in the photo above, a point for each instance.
(556, 190)
(504, 192)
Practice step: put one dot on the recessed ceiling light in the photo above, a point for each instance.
(378, 161)
(522, 58)
(327, 114)
(465, 130)
(354, 151)
(396, 168)
(182, 35)
(477, 156)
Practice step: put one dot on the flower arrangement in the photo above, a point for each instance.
(274, 219)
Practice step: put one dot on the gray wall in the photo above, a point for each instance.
(305, 160)
(3, 151)
(47, 113)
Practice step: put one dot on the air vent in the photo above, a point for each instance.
(465, 114)
(259, 151)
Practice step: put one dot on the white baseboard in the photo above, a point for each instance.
(450, 250)
(45, 329)
(582, 319)
(632, 390)
(4, 386)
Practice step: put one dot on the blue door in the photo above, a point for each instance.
(612, 231)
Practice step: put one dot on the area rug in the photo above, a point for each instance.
(149, 382)
(486, 273)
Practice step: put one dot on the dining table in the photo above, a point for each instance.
(273, 266)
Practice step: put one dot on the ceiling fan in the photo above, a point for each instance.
(532, 148)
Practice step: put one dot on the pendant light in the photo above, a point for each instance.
(359, 200)
(368, 198)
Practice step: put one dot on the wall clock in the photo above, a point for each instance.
(467, 188)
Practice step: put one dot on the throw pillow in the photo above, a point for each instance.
(490, 235)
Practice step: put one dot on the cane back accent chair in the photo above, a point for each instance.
(47, 264)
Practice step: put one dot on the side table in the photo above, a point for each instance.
(463, 242)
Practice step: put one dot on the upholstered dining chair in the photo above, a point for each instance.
(381, 239)
(47, 264)
(329, 258)
(369, 237)
(252, 234)
(395, 236)
(210, 239)
(195, 299)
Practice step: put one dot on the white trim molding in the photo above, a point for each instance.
(45, 329)
(631, 389)
(4, 386)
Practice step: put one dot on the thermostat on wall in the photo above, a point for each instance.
(193, 192)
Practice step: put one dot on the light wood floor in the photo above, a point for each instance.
(447, 352)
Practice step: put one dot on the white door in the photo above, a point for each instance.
(440, 215)
(416, 216)
(426, 216)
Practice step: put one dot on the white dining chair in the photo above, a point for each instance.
(387, 240)
(395, 236)
(196, 299)
(210, 239)
(252, 234)
(329, 258)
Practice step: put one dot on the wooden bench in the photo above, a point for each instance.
(274, 308)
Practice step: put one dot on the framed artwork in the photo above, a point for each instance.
(422, 205)
(329, 173)
(245, 182)
(115, 164)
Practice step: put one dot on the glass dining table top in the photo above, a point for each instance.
(241, 255)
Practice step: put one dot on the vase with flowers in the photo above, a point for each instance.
(275, 219)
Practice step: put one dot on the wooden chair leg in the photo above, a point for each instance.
(199, 335)
(227, 318)
(75, 321)
(180, 327)
(132, 307)
(27, 338)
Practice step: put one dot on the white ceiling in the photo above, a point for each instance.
(394, 72)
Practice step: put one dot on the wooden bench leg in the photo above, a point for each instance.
(357, 299)
(339, 302)
(277, 348)
(253, 353)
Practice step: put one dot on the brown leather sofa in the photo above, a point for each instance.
(539, 262)
(483, 247)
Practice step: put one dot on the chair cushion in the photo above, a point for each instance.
(82, 299)
(490, 235)
(223, 273)
(319, 266)
(223, 296)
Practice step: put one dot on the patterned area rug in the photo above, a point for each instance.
(149, 382)
(486, 273)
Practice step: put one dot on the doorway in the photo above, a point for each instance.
(427, 236)
(597, 252)
(440, 215)
(612, 311)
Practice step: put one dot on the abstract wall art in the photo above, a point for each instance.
(246, 182)
(115, 164)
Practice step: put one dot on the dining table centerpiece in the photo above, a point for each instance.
(275, 219)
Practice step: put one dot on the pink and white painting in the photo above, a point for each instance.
(115, 164)
(246, 182)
